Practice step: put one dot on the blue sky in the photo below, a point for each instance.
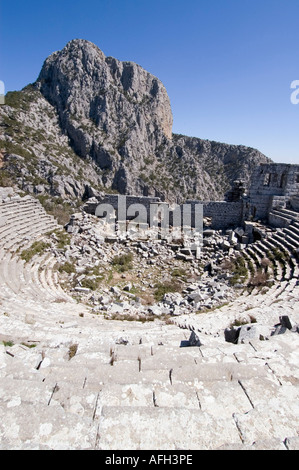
(227, 65)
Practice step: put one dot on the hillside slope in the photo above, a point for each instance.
(93, 123)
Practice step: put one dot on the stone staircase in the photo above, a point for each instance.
(282, 249)
(282, 217)
(23, 221)
(69, 379)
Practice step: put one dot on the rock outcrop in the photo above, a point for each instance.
(115, 112)
(91, 120)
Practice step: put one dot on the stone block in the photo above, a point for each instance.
(285, 322)
(231, 335)
(194, 340)
(247, 333)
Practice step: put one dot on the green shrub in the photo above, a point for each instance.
(22, 99)
(164, 288)
(8, 343)
(36, 248)
(260, 279)
(63, 238)
(179, 272)
(67, 267)
(90, 283)
(5, 179)
(239, 270)
(123, 262)
(73, 350)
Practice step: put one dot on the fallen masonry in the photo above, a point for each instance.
(247, 332)
(195, 288)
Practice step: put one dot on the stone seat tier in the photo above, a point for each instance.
(289, 213)
(283, 242)
(19, 210)
(20, 216)
(12, 206)
(19, 222)
(283, 219)
(27, 233)
(47, 279)
(293, 234)
(10, 230)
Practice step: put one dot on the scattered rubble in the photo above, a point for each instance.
(104, 278)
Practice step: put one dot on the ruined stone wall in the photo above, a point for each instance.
(130, 202)
(272, 185)
(223, 214)
(268, 181)
(295, 203)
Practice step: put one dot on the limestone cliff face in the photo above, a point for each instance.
(115, 112)
(91, 120)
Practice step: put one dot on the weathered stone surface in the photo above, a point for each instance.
(247, 333)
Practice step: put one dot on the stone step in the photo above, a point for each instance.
(294, 228)
(254, 256)
(258, 251)
(225, 372)
(19, 217)
(16, 392)
(50, 294)
(31, 283)
(289, 213)
(277, 218)
(75, 400)
(293, 235)
(16, 240)
(280, 265)
(279, 242)
(28, 234)
(268, 421)
(49, 427)
(283, 242)
(45, 271)
(174, 428)
(18, 227)
(18, 199)
(88, 390)
(7, 209)
(20, 212)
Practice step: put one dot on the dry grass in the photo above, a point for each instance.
(73, 350)
(260, 279)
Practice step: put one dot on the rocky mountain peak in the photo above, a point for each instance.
(85, 84)
(98, 121)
